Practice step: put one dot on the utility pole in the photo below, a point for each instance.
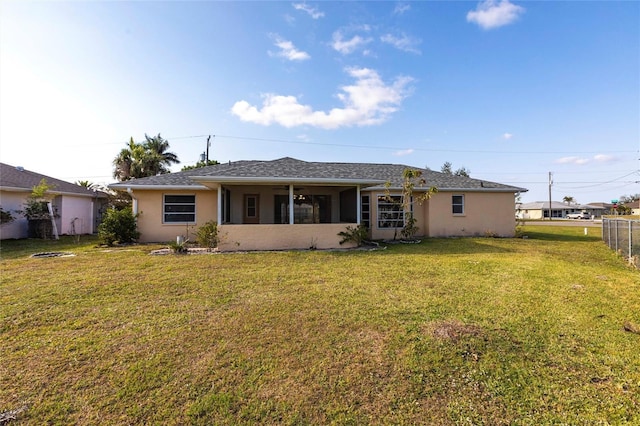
(550, 183)
(208, 145)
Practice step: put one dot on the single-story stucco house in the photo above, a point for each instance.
(293, 204)
(540, 210)
(77, 209)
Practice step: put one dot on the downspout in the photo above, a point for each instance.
(54, 227)
(291, 209)
(134, 200)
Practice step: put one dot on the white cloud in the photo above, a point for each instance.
(598, 158)
(288, 50)
(348, 46)
(369, 101)
(403, 152)
(490, 14)
(312, 11)
(401, 8)
(507, 136)
(603, 158)
(405, 43)
(572, 160)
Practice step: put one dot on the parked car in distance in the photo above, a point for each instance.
(581, 215)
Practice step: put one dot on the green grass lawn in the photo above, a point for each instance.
(489, 331)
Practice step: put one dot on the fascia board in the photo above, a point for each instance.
(124, 187)
(49, 192)
(424, 189)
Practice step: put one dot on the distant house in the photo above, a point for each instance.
(634, 206)
(293, 204)
(559, 210)
(77, 209)
(607, 208)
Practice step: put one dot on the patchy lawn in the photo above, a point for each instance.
(450, 331)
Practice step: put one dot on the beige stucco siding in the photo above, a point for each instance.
(281, 237)
(150, 219)
(485, 213)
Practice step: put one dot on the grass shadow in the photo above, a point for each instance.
(569, 236)
(463, 245)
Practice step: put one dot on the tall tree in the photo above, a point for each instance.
(447, 169)
(200, 164)
(568, 199)
(89, 185)
(410, 178)
(124, 162)
(148, 158)
(158, 159)
(629, 198)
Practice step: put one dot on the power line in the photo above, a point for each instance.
(378, 147)
(395, 148)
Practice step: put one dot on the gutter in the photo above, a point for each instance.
(484, 189)
(157, 187)
(52, 192)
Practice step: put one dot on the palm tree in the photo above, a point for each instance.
(124, 162)
(88, 184)
(568, 199)
(148, 158)
(158, 159)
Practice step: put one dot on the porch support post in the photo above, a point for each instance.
(219, 218)
(291, 204)
(358, 206)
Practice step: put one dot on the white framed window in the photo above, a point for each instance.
(457, 204)
(179, 209)
(390, 213)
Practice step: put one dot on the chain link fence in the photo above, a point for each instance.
(623, 236)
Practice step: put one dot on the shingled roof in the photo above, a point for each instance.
(291, 169)
(20, 180)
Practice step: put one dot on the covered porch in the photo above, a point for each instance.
(278, 214)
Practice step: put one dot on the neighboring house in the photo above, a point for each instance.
(634, 206)
(540, 210)
(294, 204)
(77, 209)
(607, 208)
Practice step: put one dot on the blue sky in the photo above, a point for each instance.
(510, 90)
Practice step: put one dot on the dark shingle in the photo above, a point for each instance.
(19, 178)
(297, 169)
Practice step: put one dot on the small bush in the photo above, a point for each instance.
(118, 226)
(207, 235)
(179, 247)
(410, 229)
(5, 216)
(356, 235)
